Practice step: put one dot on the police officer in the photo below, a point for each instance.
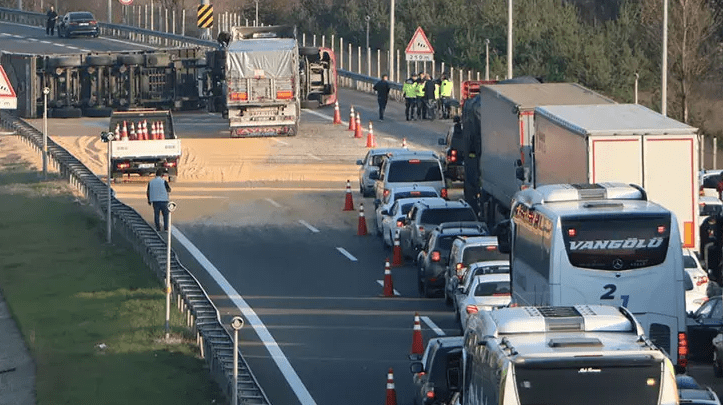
(410, 96)
(445, 93)
(419, 87)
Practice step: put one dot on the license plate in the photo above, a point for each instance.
(84, 24)
(146, 165)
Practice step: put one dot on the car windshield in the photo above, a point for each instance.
(414, 170)
(711, 181)
(710, 209)
(406, 208)
(473, 254)
(82, 16)
(435, 216)
(491, 270)
(689, 262)
(492, 289)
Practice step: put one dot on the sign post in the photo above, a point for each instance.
(419, 49)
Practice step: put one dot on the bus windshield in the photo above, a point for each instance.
(621, 242)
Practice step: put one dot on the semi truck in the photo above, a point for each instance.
(498, 128)
(146, 141)
(626, 143)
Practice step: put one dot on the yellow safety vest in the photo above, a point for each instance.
(409, 90)
(446, 88)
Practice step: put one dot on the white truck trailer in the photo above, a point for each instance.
(626, 143)
(503, 145)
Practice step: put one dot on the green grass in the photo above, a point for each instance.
(69, 292)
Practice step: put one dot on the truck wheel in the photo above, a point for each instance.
(66, 112)
(132, 59)
(100, 60)
(98, 111)
(62, 61)
(308, 51)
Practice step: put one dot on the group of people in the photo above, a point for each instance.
(423, 96)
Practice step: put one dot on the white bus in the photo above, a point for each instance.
(601, 244)
(586, 354)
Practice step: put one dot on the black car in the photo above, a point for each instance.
(78, 23)
(454, 154)
(436, 374)
(703, 325)
(690, 392)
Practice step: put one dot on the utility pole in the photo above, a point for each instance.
(509, 39)
(391, 44)
(664, 69)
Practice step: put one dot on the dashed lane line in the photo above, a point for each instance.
(347, 254)
(253, 319)
(381, 283)
(432, 325)
(314, 156)
(280, 141)
(308, 225)
(274, 203)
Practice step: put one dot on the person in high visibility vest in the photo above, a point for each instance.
(410, 96)
(419, 87)
(445, 94)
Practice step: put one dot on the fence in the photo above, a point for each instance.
(202, 316)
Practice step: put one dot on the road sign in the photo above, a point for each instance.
(8, 98)
(419, 49)
(205, 16)
(126, 2)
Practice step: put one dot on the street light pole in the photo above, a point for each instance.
(487, 59)
(391, 44)
(171, 208)
(637, 76)
(46, 91)
(664, 69)
(108, 137)
(236, 324)
(256, 21)
(367, 19)
(509, 39)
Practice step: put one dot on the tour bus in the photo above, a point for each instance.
(601, 244)
(583, 354)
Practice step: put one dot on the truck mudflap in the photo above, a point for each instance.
(275, 130)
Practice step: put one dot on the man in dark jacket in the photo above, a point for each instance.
(50, 24)
(382, 89)
(429, 90)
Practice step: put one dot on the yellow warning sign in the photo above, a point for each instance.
(205, 16)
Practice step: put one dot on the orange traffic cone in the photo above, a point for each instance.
(337, 115)
(133, 134)
(352, 122)
(371, 142)
(417, 346)
(397, 259)
(161, 131)
(391, 391)
(348, 202)
(362, 228)
(144, 125)
(388, 284)
(404, 143)
(358, 128)
(124, 131)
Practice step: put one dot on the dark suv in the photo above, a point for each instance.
(434, 258)
(436, 374)
(78, 23)
(454, 154)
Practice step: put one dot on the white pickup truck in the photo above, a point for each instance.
(147, 142)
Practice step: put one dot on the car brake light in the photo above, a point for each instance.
(123, 165)
(436, 256)
(386, 192)
(491, 248)
(400, 224)
(237, 96)
(453, 152)
(284, 95)
(702, 281)
(682, 349)
(472, 309)
(453, 158)
(459, 267)
(93, 22)
(421, 229)
(169, 164)
(444, 193)
(414, 161)
(415, 193)
(430, 394)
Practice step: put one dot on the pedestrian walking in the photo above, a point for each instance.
(382, 89)
(410, 96)
(157, 194)
(50, 24)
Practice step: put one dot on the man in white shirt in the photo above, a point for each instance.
(157, 194)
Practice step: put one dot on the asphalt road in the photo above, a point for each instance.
(322, 333)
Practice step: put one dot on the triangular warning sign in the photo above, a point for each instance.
(8, 99)
(419, 43)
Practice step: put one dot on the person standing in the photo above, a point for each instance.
(419, 87)
(429, 99)
(157, 194)
(410, 96)
(50, 24)
(382, 89)
(445, 94)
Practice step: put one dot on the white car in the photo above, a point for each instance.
(699, 278)
(485, 293)
(401, 192)
(708, 206)
(708, 180)
(477, 269)
(393, 218)
(371, 164)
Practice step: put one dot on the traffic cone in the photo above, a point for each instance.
(358, 128)
(417, 346)
(124, 131)
(337, 114)
(161, 131)
(397, 259)
(371, 142)
(133, 134)
(352, 117)
(388, 284)
(348, 202)
(404, 143)
(391, 391)
(362, 228)
(144, 128)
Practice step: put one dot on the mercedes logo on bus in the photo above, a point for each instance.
(618, 264)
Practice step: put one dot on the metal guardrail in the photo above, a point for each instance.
(202, 316)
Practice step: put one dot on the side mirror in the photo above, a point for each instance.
(416, 367)
(359, 162)
(442, 141)
(503, 232)
(453, 375)
(520, 173)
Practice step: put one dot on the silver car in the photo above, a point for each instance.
(480, 268)
(393, 218)
(371, 163)
(427, 215)
(484, 293)
(421, 168)
(400, 192)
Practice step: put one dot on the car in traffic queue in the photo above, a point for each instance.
(432, 261)
(424, 217)
(400, 192)
(485, 293)
(708, 180)
(371, 163)
(436, 374)
(393, 218)
(78, 23)
(479, 269)
(454, 141)
(693, 298)
(465, 251)
(408, 168)
(709, 206)
(703, 325)
(699, 279)
(690, 392)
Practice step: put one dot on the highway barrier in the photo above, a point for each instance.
(202, 316)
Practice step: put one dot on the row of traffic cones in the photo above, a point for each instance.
(142, 134)
(417, 348)
(355, 125)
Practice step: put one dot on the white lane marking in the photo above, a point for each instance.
(281, 142)
(84, 50)
(33, 39)
(128, 43)
(46, 42)
(71, 47)
(313, 156)
(386, 138)
(308, 225)
(432, 325)
(274, 350)
(347, 254)
(274, 203)
(381, 283)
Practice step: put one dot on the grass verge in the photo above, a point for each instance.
(69, 292)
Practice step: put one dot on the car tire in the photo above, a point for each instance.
(62, 61)
(66, 112)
